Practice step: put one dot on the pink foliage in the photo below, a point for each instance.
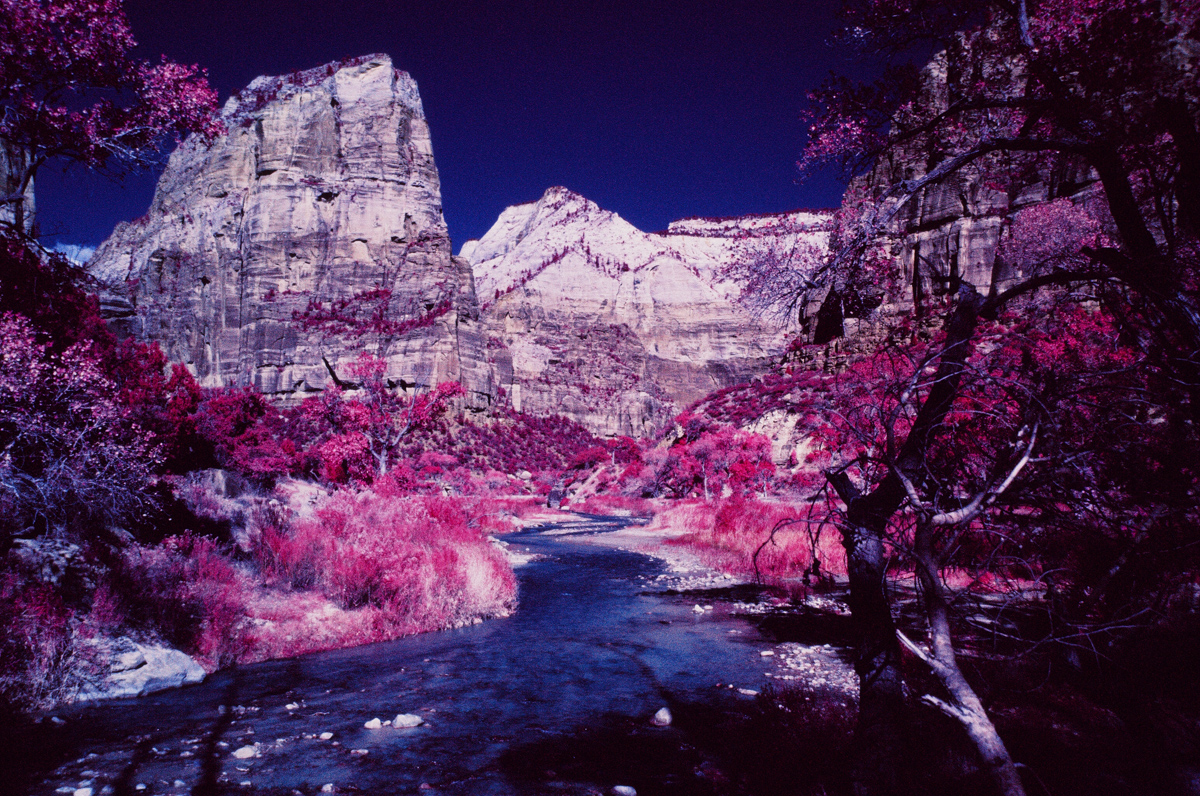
(735, 536)
(71, 451)
(69, 88)
(1052, 235)
(706, 461)
(420, 561)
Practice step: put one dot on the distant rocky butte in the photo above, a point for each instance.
(592, 318)
(311, 230)
(321, 204)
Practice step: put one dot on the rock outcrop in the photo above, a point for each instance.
(950, 231)
(589, 317)
(310, 231)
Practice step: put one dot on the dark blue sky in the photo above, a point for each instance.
(656, 110)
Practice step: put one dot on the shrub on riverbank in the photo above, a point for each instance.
(745, 537)
(364, 566)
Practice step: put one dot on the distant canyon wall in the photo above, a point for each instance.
(312, 231)
(588, 316)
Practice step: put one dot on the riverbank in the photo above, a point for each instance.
(810, 632)
(557, 698)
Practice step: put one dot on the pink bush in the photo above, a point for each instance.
(615, 504)
(728, 533)
(41, 658)
(420, 561)
(190, 591)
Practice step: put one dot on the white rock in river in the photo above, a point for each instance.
(696, 609)
(140, 669)
(246, 752)
(662, 718)
(325, 736)
(373, 724)
(623, 790)
(407, 720)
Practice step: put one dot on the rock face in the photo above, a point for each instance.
(591, 318)
(310, 231)
(951, 230)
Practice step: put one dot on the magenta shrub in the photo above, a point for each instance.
(418, 562)
(727, 534)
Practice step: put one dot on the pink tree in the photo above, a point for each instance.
(366, 419)
(71, 453)
(69, 89)
(1012, 94)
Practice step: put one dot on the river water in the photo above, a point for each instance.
(556, 699)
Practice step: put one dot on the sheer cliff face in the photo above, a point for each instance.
(618, 329)
(312, 230)
(950, 231)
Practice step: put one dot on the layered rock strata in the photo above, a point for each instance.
(309, 232)
(589, 317)
(949, 232)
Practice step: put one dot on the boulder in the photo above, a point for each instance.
(137, 669)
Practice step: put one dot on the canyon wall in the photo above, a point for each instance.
(589, 317)
(950, 231)
(309, 232)
(312, 231)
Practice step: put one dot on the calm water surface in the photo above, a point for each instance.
(555, 699)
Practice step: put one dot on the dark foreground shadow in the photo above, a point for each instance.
(728, 745)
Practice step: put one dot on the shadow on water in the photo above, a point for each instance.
(805, 625)
(718, 746)
(28, 749)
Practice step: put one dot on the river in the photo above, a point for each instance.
(557, 698)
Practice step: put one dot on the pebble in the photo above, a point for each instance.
(623, 790)
(696, 609)
(83, 792)
(325, 736)
(327, 787)
(766, 653)
(292, 706)
(403, 720)
(662, 718)
(245, 752)
(359, 751)
(747, 692)
(373, 724)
